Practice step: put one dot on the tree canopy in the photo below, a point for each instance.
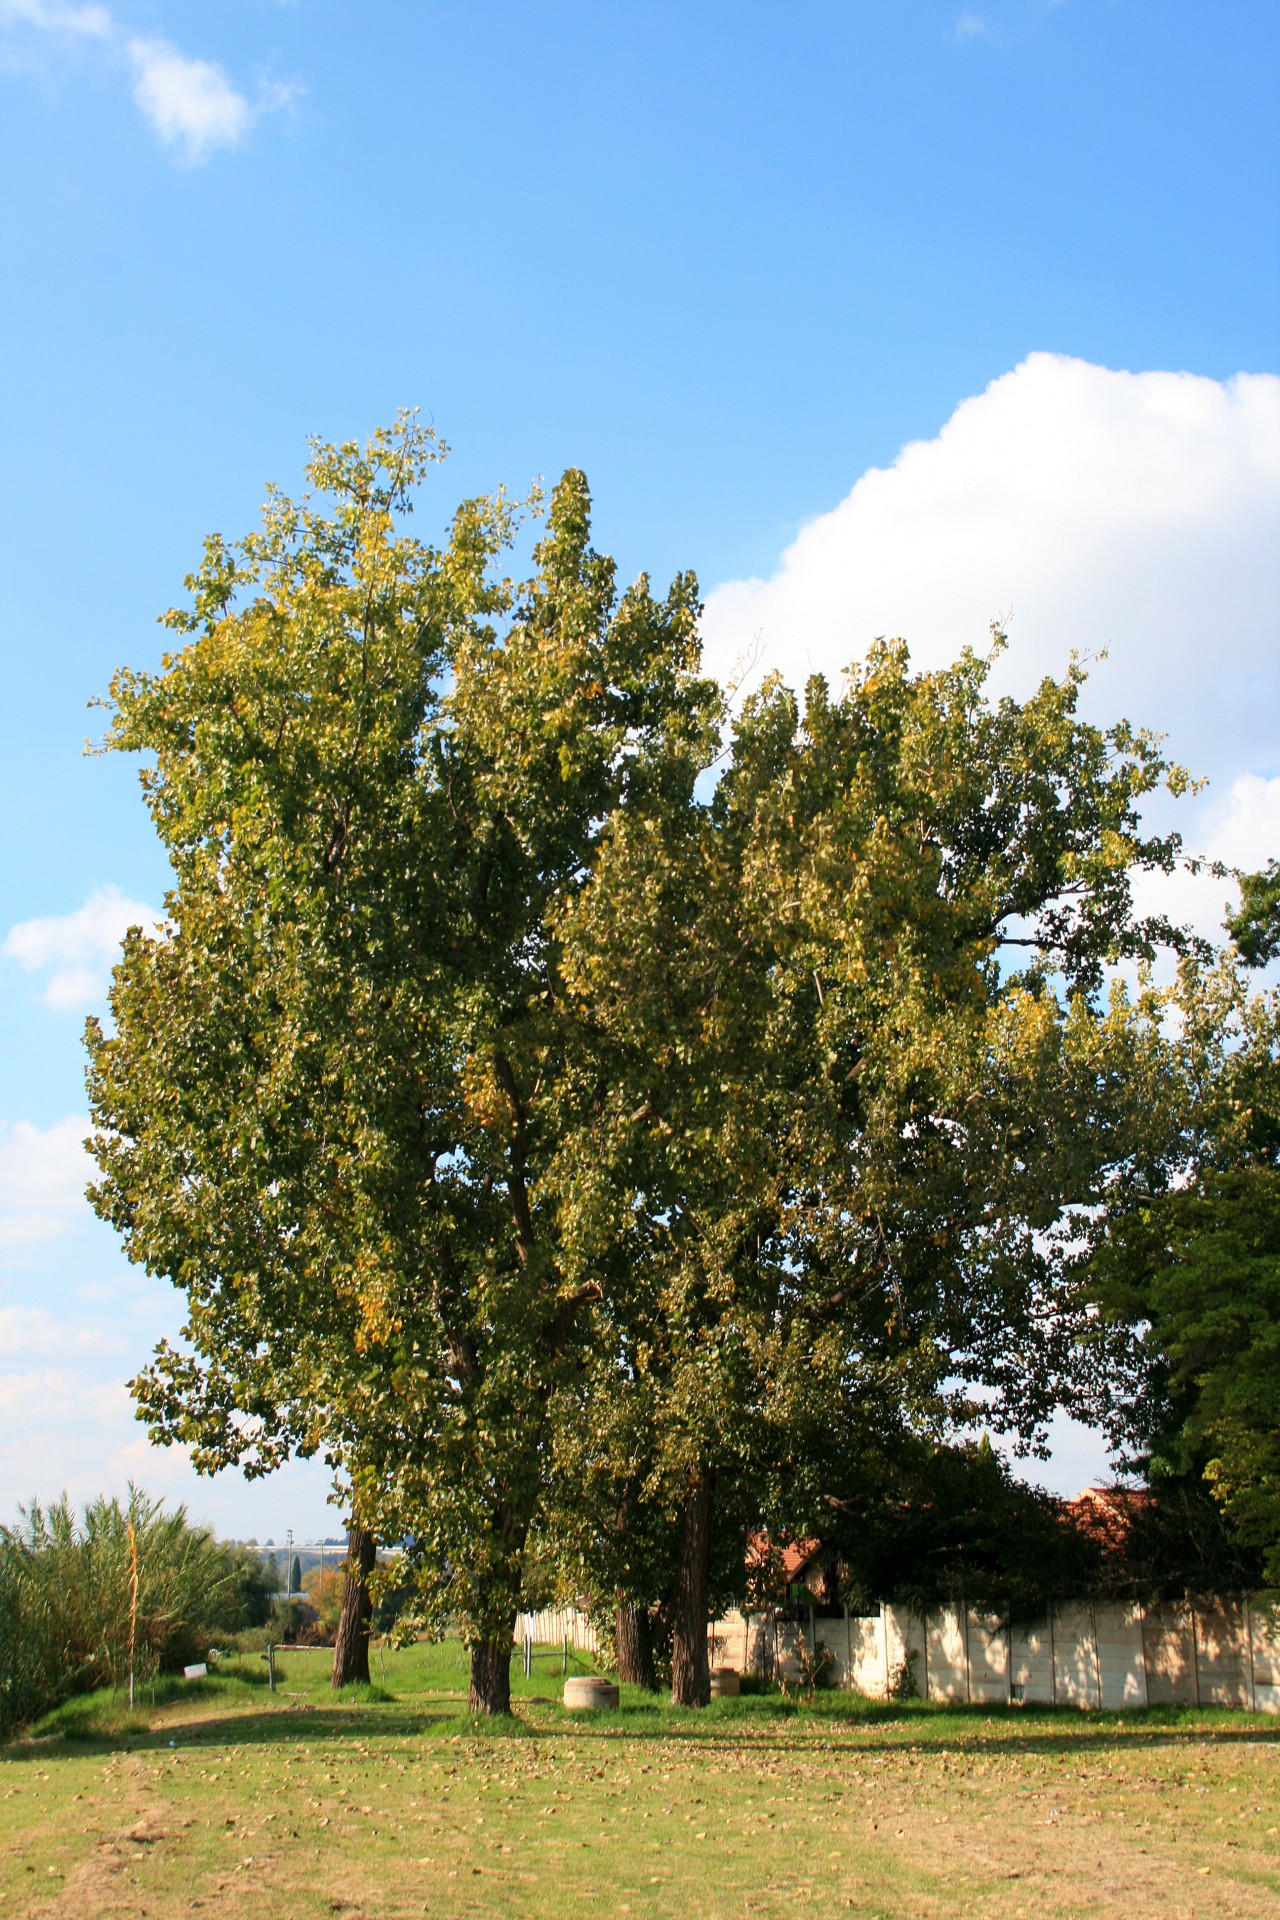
(335, 1107)
(525, 1071)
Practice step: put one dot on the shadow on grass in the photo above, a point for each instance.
(755, 1726)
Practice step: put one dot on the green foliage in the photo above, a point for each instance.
(864, 1088)
(1196, 1270)
(338, 1108)
(496, 1095)
(928, 1525)
(1255, 928)
(66, 1599)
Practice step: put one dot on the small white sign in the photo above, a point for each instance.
(197, 1672)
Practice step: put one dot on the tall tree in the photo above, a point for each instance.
(1196, 1269)
(862, 1077)
(335, 1105)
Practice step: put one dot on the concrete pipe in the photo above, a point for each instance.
(588, 1690)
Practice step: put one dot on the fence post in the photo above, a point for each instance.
(271, 1668)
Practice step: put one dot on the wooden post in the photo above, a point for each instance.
(924, 1628)
(271, 1668)
(133, 1603)
(1053, 1663)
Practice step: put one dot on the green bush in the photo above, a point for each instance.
(68, 1622)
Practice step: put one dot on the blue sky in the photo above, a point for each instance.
(728, 259)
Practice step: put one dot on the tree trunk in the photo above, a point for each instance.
(491, 1673)
(633, 1632)
(351, 1647)
(690, 1672)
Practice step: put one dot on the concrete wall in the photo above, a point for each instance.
(1117, 1655)
(1113, 1656)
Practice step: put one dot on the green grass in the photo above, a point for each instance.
(390, 1801)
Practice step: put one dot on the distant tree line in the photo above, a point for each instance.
(606, 1125)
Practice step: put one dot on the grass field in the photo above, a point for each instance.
(219, 1796)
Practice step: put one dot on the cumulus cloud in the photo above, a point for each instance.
(33, 1330)
(1240, 830)
(77, 949)
(1087, 509)
(191, 104)
(43, 1175)
(77, 22)
(65, 1428)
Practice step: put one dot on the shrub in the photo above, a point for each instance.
(68, 1621)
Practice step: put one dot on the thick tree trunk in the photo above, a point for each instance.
(351, 1647)
(633, 1632)
(690, 1672)
(491, 1673)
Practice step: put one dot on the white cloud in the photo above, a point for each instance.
(43, 1174)
(65, 1428)
(32, 1330)
(971, 26)
(1241, 830)
(77, 948)
(1093, 510)
(192, 104)
(78, 22)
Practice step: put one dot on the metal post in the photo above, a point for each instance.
(564, 1664)
(271, 1668)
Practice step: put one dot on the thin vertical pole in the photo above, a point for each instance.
(133, 1604)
